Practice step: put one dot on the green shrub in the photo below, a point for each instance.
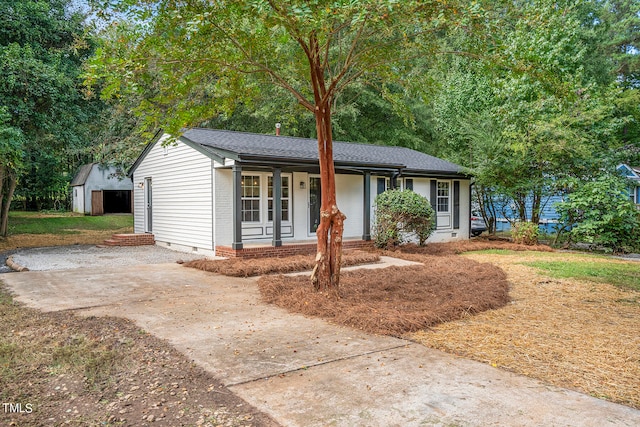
(525, 233)
(600, 213)
(401, 215)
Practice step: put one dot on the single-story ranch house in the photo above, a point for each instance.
(241, 194)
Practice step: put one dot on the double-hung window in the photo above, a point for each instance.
(250, 198)
(285, 195)
(443, 197)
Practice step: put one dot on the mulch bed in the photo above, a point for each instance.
(239, 267)
(477, 244)
(396, 300)
(391, 301)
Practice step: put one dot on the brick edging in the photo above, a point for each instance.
(284, 250)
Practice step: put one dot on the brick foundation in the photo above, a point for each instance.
(130, 240)
(284, 250)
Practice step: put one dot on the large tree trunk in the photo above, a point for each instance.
(326, 273)
(4, 207)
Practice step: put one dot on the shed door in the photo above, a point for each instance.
(97, 205)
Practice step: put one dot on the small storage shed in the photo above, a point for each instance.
(98, 189)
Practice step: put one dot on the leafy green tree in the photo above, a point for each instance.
(400, 216)
(600, 212)
(190, 61)
(551, 110)
(11, 163)
(362, 113)
(42, 47)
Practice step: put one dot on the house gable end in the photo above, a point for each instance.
(144, 153)
(216, 155)
(628, 171)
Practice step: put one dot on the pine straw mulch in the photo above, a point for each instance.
(396, 300)
(476, 244)
(239, 267)
(566, 332)
(569, 333)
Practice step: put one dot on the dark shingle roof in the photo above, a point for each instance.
(251, 146)
(82, 175)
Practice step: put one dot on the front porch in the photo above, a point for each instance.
(307, 247)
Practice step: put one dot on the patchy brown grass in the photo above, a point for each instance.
(238, 267)
(396, 300)
(571, 333)
(82, 237)
(104, 371)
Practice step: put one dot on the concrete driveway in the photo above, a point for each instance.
(304, 371)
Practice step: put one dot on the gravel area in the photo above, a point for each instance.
(79, 256)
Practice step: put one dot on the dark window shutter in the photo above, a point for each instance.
(434, 198)
(381, 185)
(456, 204)
(408, 184)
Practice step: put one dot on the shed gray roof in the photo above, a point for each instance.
(251, 146)
(82, 175)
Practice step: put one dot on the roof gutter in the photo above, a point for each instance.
(246, 159)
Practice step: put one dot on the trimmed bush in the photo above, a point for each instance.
(401, 215)
(525, 233)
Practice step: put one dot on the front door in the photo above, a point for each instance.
(148, 206)
(315, 201)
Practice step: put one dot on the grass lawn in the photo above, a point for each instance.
(36, 229)
(64, 223)
(627, 275)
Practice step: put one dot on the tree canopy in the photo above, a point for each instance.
(554, 110)
(44, 112)
(189, 61)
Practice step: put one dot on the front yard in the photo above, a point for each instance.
(579, 333)
(569, 319)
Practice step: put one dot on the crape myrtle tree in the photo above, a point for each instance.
(190, 60)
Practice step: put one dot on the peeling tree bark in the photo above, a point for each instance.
(326, 273)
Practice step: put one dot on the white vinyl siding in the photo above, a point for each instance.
(182, 201)
(351, 202)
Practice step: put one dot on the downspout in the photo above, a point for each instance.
(394, 177)
(213, 207)
(471, 184)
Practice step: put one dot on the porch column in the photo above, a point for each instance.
(236, 188)
(366, 215)
(277, 208)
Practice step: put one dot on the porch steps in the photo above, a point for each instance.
(130, 240)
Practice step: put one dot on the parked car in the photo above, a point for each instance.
(477, 224)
